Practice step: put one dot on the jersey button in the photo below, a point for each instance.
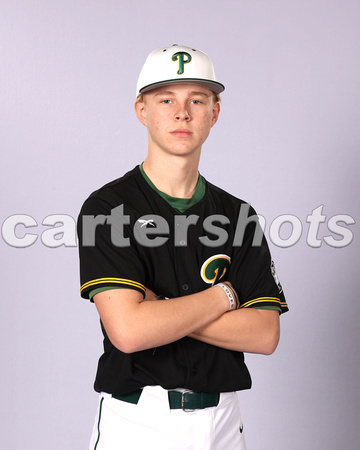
(185, 287)
(195, 371)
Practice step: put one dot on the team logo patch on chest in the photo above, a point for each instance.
(214, 268)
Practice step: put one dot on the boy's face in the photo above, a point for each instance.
(178, 117)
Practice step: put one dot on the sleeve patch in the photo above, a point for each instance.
(276, 278)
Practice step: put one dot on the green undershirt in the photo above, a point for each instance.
(180, 205)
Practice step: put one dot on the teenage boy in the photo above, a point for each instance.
(181, 280)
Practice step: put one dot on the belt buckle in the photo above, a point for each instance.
(183, 400)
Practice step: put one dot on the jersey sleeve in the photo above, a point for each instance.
(252, 271)
(104, 264)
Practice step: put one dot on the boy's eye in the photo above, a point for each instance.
(166, 101)
(196, 102)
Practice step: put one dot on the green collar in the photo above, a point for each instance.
(179, 204)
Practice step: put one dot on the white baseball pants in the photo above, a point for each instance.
(152, 425)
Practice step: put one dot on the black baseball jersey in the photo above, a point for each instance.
(131, 237)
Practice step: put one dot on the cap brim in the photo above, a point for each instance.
(213, 86)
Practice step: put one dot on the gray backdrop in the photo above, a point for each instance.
(287, 141)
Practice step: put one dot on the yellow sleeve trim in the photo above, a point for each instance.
(274, 300)
(122, 281)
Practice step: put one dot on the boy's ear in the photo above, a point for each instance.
(216, 112)
(140, 112)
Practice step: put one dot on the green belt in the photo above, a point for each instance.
(187, 400)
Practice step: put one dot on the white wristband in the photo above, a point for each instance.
(230, 295)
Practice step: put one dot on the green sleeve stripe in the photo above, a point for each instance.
(270, 308)
(102, 289)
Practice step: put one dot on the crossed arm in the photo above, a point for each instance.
(133, 323)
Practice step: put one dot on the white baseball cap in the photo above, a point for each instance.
(177, 64)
